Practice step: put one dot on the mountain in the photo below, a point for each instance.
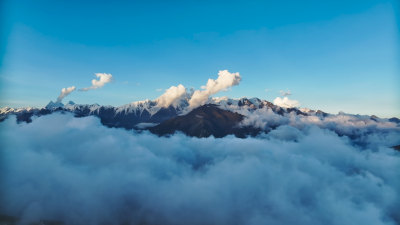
(130, 115)
(126, 116)
(218, 117)
(53, 105)
(205, 121)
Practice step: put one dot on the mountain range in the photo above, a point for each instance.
(218, 117)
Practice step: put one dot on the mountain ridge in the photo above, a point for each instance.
(218, 117)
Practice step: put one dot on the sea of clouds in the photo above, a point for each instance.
(77, 171)
(365, 131)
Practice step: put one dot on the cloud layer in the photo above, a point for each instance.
(225, 80)
(362, 130)
(65, 92)
(75, 170)
(103, 78)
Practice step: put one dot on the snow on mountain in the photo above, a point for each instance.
(259, 114)
(53, 105)
(6, 110)
(139, 107)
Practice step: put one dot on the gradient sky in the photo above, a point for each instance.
(332, 55)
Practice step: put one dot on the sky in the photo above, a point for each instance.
(331, 55)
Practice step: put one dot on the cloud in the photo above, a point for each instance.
(77, 171)
(285, 93)
(103, 78)
(362, 130)
(285, 102)
(145, 125)
(65, 92)
(171, 96)
(263, 118)
(159, 89)
(225, 80)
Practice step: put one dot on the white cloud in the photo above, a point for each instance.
(285, 93)
(171, 96)
(362, 130)
(145, 125)
(263, 118)
(77, 171)
(225, 80)
(286, 102)
(103, 78)
(65, 92)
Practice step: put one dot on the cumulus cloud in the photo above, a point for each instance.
(285, 102)
(65, 92)
(171, 96)
(225, 80)
(103, 78)
(77, 171)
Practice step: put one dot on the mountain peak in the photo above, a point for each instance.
(53, 105)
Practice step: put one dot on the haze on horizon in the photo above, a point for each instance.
(334, 56)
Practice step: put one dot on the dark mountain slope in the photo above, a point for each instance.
(205, 121)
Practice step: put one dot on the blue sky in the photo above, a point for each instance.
(332, 55)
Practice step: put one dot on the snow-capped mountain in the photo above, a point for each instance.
(52, 105)
(217, 117)
(126, 116)
(129, 115)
